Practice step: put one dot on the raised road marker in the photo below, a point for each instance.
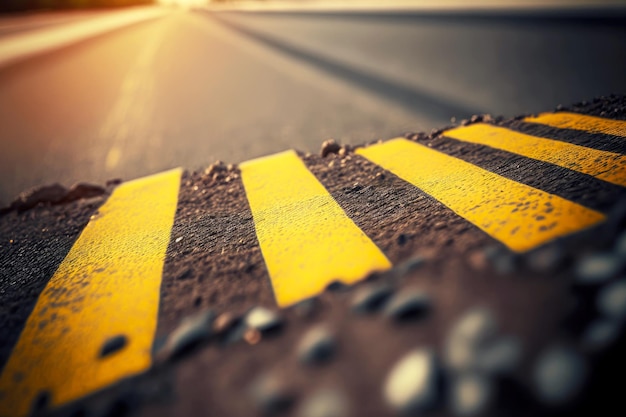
(607, 166)
(108, 286)
(517, 215)
(583, 122)
(307, 240)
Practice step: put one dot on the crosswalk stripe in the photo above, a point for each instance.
(607, 166)
(519, 216)
(307, 240)
(590, 124)
(106, 289)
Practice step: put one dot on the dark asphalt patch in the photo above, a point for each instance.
(213, 258)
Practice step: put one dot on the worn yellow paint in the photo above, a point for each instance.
(517, 215)
(107, 285)
(607, 166)
(307, 240)
(591, 124)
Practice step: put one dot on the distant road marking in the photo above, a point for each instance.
(24, 45)
(108, 285)
(607, 166)
(519, 216)
(591, 124)
(307, 240)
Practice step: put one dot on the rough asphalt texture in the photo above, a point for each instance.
(497, 333)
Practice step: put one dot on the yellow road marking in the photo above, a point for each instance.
(607, 166)
(307, 240)
(591, 124)
(517, 215)
(108, 285)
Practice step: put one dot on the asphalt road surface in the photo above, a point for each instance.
(193, 87)
(477, 270)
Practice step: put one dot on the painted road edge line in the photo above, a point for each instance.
(519, 216)
(582, 122)
(306, 238)
(606, 166)
(107, 286)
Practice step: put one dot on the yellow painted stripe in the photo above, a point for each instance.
(591, 124)
(607, 166)
(307, 240)
(517, 215)
(108, 285)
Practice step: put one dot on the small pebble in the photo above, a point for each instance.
(317, 346)
(370, 298)
(263, 320)
(611, 300)
(408, 304)
(408, 266)
(306, 308)
(471, 394)
(600, 335)
(620, 245)
(412, 384)
(113, 345)
(598, 268)
(271, 394)
(329, 146)
(191, 331)
(500, 357)
(471, 332)
(546, 259)
(559, 375)
(325, 402)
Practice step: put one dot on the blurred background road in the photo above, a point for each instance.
(195, 84)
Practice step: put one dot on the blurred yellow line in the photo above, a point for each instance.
(307, 240)
(108, 285)
(607, 166)
(591, 124)
(517, 215)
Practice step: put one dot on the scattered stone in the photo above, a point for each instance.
(329, 146)
(84, 190)
(306, 308)
(500, 357)
(316, 346)
(470, 333)
(370, 298)
(271, 394)
(408, 266)
(263, 320)
(598, 268)
(192, 331)
(325, 402)
(620, 245)
(471, 394)
(48, 194)
(252, 336)
(611, 300)
(559, 375)
(412, 384)
(225, 322)
(600, 335)
(113, 345)
(408, 305)
(546, 259)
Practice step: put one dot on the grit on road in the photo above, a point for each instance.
(193, 87)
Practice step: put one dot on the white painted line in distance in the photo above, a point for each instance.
(21, 46)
